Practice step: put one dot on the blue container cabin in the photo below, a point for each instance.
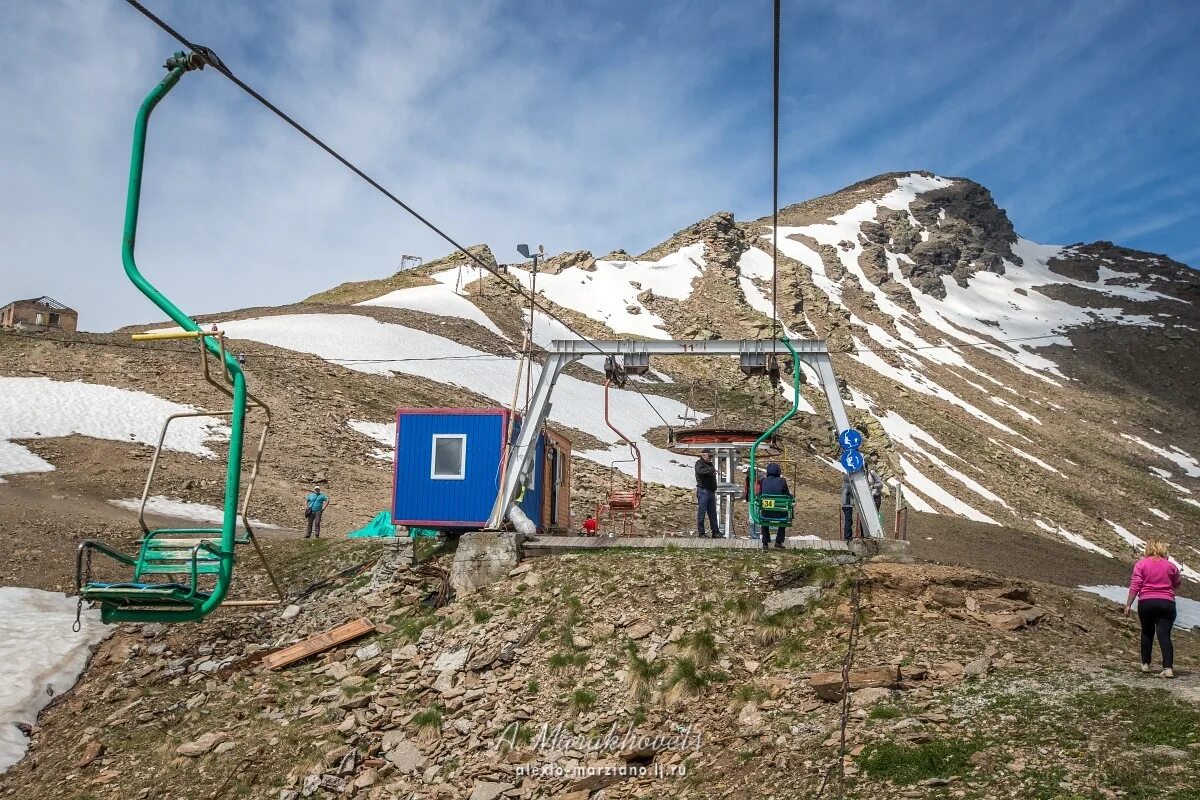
(448, 470)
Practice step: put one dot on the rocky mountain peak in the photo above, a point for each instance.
(956, 230)
(723, 237)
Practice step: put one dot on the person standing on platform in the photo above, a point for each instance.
(706, 494)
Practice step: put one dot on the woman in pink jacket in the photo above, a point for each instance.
(1155, 579)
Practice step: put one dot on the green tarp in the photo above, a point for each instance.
(378, 527)
(381, 527)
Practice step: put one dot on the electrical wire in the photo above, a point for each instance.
(775, 186)
(210, 58)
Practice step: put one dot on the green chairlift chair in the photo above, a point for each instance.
(179, 574)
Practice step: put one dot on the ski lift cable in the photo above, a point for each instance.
(215, 62)
(775, 186)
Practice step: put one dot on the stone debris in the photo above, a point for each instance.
(790, 599)
(828, 685)
(205, 744)
(448, 703)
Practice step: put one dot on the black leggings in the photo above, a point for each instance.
(1157, 616)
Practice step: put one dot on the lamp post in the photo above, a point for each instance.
(540, 255)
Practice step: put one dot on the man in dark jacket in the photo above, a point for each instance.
(706, 494)
(774, 483)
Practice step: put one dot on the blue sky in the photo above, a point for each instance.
(596, 125)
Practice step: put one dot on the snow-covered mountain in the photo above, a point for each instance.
(1042, 387)
(1001, 380)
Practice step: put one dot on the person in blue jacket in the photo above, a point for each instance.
(774, 483)
(314, 506)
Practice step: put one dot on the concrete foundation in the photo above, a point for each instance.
(482, 559)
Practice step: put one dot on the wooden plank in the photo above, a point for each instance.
(319, 643)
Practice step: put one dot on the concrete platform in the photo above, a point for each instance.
(546, 545)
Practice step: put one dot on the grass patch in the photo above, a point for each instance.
(884, 712)
(702, 646)
(771, 629)
(810, 573)
(1152, 716)
(909, 764)
(686, 681)
(481, 615)
(742, 608)
(428, 724)
(561, 662)
(641, 675)
(583, 700)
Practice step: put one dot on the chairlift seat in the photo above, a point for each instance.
(624, 501)
(774, 509)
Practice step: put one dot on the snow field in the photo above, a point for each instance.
(42, 658)
(40, 408)
(438, 299)
(360, 343)
(1009, 301)
(1188, 611)
(607, 293)
(182, 509)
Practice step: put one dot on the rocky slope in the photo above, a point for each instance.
(718, 673)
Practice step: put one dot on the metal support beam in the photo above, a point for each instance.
(562, 352)
(859, 490)
(520, 460)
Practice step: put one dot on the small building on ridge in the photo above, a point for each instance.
(39, 314)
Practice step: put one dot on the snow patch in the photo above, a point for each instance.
(1182, 459)
(1160, 514)
(1134, 541)
(1187, 611)
(546, 329)
(40, 408)
(1165, 476)
(905, 433)
(42, 658)
(438, 299)
(1027, 456)
(382, 432)
(916, 478)
(363, 344)
(182, 509)
(609, 292)
(1073, 538)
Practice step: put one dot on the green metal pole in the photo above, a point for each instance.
(177, 65)
(767, 434)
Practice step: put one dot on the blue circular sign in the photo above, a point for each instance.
(852, 461)
(850, 439)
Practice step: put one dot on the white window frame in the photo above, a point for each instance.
(462, 473)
